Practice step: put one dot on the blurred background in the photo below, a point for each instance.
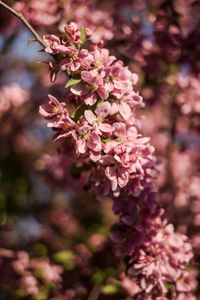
(54, 237)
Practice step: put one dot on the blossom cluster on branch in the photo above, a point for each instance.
(101, 130)
(60, 204)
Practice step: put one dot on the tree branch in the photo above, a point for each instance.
(95, 292)
(24, 21)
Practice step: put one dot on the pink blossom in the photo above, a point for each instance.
(104, 132)
(166, 261)
(125, 103)
(88, 139)
(189, 97)
(74, 32)
(53, 44)
(129, 285)
(95, 84)
(102, 58)
(50, 273)
(58, 117)
(187, 282)
(102, 111)
(99, 21)
(30, 284)
(118, 177)
(76, 59)
(12, 97)
(52, 109)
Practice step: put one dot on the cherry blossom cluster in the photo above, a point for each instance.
(157, 254)
(98, 125)
(103, 125)
(11, 97)
(189, 98)
(159, 262)
(39, 12)
(30, 274)
(98, 20)
(55, 12)
(34, 275)
(187, 198)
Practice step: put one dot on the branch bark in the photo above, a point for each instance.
(95, 292)
(25, 22)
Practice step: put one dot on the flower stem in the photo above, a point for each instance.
(24, 21)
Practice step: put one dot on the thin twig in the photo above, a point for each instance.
(95, 292)
(24, 21)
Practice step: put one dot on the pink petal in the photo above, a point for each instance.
(90, 116)
(110, 172)
(75, 66)
(61, 48)
(110, 60)
(45, 110)
(104, 127)
(119, 129)
(94, 142)
(94, 156)
(109, 146)
(134, 78)
(98, 80)
(90, 99)
(64, 63)
(124, 110)
(81, 146)
(114, 108)
(114, 186)
(86, 76)
(103, 94)
(89, 76)
(123, 179)
(103, 109)
(77, 89)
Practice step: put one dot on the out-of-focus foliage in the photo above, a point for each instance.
(54, 235)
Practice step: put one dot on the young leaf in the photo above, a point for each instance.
(72, 82)
(110, 289)
(65, 258)
(83, 35)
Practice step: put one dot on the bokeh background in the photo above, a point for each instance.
(54, 237)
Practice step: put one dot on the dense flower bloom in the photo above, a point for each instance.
(101, 149)
(167, 251)
(104, 135)
(159, 263)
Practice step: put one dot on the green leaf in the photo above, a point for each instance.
(40, 249)
(72, 82)
(42, 295)
(105, 139)
(83, 35)
(65, 258)
(98, 277)
(110, 289)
